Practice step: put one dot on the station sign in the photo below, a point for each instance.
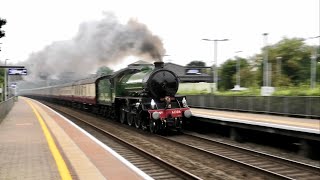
(13, 85)
(193, 71)
(17, 71)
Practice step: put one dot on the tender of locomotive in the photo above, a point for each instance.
(139, 95)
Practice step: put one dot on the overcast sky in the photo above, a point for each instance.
(34, 24)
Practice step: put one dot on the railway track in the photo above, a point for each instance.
(276, 166)
(150, 164)
(202, 158)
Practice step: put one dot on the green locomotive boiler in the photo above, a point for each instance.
(145, 97)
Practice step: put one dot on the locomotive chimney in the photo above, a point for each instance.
(158, 64)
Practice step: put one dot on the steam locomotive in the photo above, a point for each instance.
(139, 95)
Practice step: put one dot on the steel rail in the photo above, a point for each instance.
(273, 165)
(180, 173)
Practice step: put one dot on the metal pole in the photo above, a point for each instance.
(5, 81)
(238, 70)
(215, 73)
(215, 69)
(265, 61)
(313, 64)
(279, 66)
(313, 69)
(269, 74)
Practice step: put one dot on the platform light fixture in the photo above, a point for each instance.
(215, 69)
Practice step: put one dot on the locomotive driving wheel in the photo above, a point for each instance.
(123, 115)
(154, 127)
(130, 118)
(137, 119)
(144, 124)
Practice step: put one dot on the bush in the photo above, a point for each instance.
(297, 91)
(248, 92)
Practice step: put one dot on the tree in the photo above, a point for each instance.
(196, 63)
(227, 70)
(1, 75)
(247, 76)
(228, 73)
(104, 70)
(2, 22)
(290, 62)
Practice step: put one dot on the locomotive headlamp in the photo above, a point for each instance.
(187, 113)
(167, 99)
(184, 102)
(137, 104)
(153, 104)
(156, 115)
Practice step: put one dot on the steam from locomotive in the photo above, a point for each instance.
(97, 43)
(139, 95)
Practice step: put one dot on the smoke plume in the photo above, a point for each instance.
(105, 42)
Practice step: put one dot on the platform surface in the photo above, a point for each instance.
(277, 121)
(28, 152)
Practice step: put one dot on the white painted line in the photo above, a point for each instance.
(279, 126)
(107, 148)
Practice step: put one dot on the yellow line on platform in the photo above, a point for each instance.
(62, 167)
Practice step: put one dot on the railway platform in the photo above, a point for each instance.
(38, 143)
(305, 125)
(304, 131)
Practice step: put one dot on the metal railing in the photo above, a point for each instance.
(307, 106)
(5, 107)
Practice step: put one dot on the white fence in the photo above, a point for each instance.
(195, 87)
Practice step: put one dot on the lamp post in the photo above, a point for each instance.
(313, 69)
(238, 69)
(313, 65)
(279, 65)
(215, 69)
(265, 61)
(5, 81)
(266, 89)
